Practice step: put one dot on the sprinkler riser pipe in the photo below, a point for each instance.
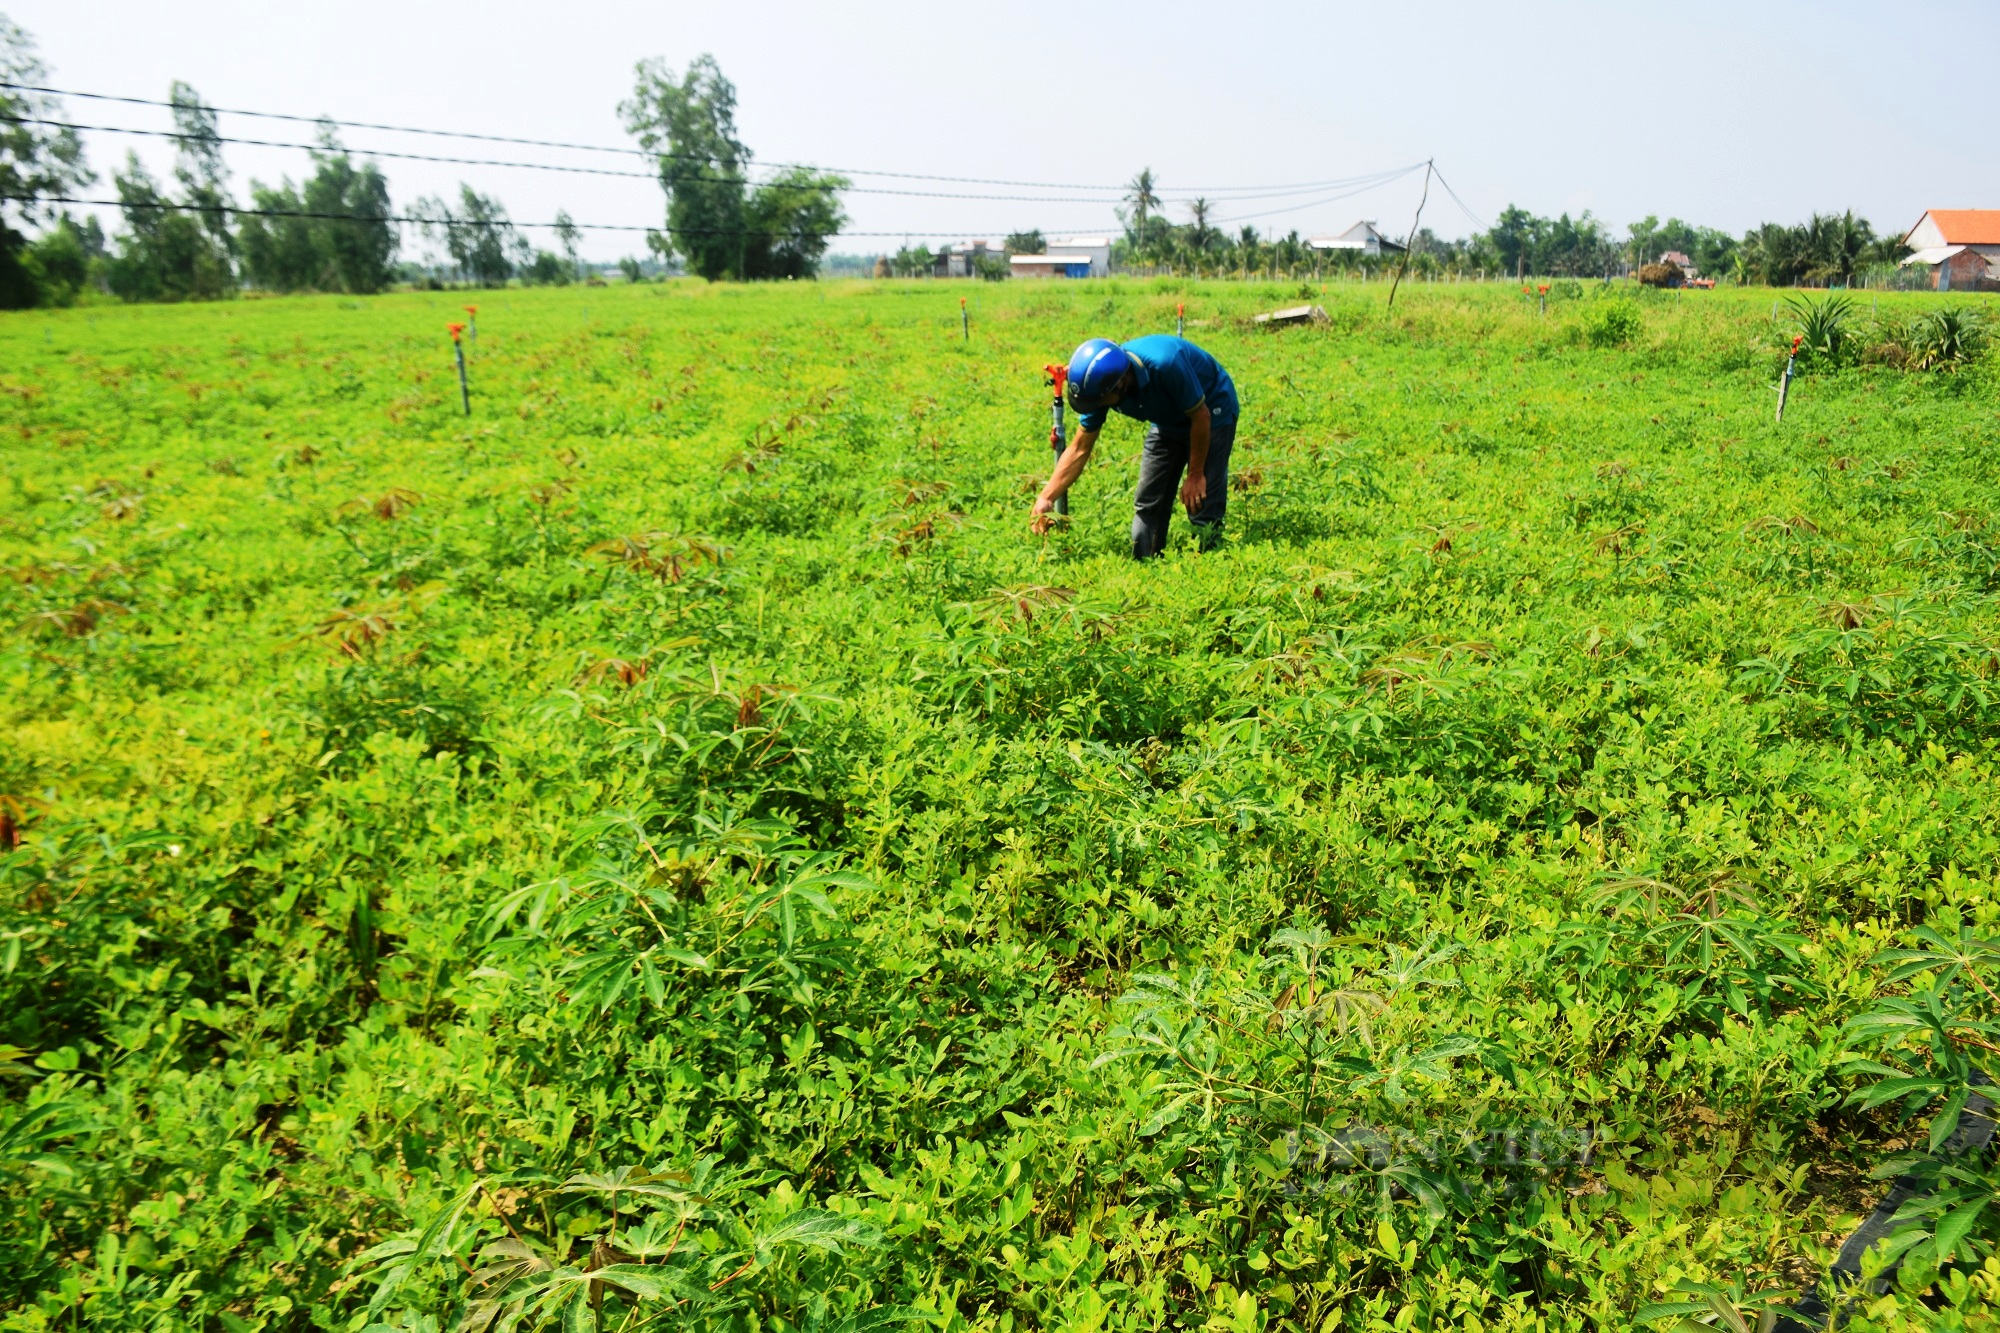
(1056, 445)
(464, 388)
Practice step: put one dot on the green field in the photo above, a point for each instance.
(678, 823)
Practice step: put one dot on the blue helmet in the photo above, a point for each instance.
(1094, 372)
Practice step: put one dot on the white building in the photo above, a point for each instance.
(1361, 236)
(1077, 257)
(1961, 245)
(1096, 249)
(1049, 266)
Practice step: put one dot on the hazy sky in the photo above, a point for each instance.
(1725, 114)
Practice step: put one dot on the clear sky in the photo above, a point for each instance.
(1724, 114)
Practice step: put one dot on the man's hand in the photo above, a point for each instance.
(1068, 467)
(1194, 490)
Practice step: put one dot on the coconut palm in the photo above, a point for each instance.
(1144, 196)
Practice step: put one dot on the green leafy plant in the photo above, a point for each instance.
(1947, 339)
(1826, 325)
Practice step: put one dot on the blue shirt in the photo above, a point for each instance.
(1173, 378)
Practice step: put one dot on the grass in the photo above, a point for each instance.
(678, 826)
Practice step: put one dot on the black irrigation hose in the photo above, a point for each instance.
(1973, 1136)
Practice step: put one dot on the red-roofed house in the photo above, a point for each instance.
(1962, 246)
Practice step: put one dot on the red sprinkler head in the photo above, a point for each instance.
(456, 329)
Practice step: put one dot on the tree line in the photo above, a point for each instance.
(1826, 250)
(186, 239)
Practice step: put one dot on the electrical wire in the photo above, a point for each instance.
(161, 205)
(610, 171)
(1477, 221)
(1329, 199)
(1237, 190)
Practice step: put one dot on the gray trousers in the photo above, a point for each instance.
(1162, 461)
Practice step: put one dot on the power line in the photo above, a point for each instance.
(1477, 221)
(162, 205)
(609, 171)
(1238, 190)
(1329, 199)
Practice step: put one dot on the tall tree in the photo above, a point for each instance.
(198, 164)
(338, 237)
(1143, 194)
(1199, 211)
(690, 123)
(177, 249)
(165, 252)
(482, 243)
(1514, 240)
(37, 163)
(1837, 245)
(790, 221)
(715, 220)
(569, 237)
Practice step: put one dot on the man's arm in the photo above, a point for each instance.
(1068, 468)
(1194, 487)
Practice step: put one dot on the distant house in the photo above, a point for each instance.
(962, 261)
(1680, 261)
(1961, 246)
(1078, 257)
(1049, 266)
(1361, 236)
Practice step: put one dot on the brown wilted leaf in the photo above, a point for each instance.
(77, 621)
(1794, 525)
(666, 556)
(1024, 600)
(911, 493)
(354, 629)
(627, 673)
(14, 814)
(1617, 541)
(390, 504)
(762, 449)
(548, 493)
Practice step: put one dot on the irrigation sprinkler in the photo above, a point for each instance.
(472, 321)
(1058, 377)
(964, 320)
(458, 350)
(1785, 381)
(1544, 290)
(1180, 319)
